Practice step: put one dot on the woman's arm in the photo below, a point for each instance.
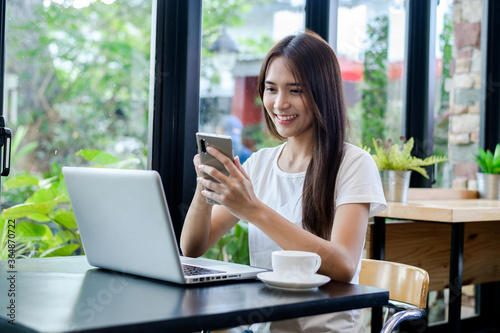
(339, 256)
(205, 223)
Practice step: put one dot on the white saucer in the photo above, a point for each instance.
(272, 280)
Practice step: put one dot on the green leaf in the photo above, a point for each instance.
(43, 195)
(20, 181)
(23, 210)
(29, 230)
(232, 247)
(98, 157)
(487, 161)
(66, 219)
(420, 170)
(394, 157)
(408, 147)
(37, 217)
(60, 251)
(496, 156)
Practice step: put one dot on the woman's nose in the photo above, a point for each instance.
(281, 102)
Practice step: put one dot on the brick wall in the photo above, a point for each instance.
(464, 87)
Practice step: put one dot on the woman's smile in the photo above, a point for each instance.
(285, 119)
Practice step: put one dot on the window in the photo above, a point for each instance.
(76, 93)
(236, 38)
(371, 51)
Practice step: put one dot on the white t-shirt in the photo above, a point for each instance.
(358, 181)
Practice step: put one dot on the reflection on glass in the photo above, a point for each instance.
(76, 93)
(371, 48)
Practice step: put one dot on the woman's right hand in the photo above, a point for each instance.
(205, 223)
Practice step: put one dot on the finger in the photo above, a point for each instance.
(214, 186)
(212, 172)
(212, 195)
(196, 162)
(240, 167)
(226, 161)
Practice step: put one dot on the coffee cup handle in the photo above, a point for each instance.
(318, 263)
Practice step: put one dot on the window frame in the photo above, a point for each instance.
(3, 11)
(420, 84)
(489, 128)
(175, 113)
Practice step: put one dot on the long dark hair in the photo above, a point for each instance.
(315, 66)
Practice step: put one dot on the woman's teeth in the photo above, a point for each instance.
(283, 117)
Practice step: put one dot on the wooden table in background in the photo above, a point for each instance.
(470, 256)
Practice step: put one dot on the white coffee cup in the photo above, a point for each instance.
(295, 266)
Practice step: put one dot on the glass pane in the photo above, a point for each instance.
(76, 93)
(371, 49)
(229, 99)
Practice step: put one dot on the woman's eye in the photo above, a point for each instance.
(271, 89)
(296, 91)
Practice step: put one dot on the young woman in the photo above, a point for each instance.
(312, 193)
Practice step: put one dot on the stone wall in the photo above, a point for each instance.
(464, 87)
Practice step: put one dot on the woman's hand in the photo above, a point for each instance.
(204, 224)
(197, 162)
(235, 192)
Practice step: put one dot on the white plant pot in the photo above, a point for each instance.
(488, 186)
(395, 184)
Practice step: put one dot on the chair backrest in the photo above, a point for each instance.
(406, 283)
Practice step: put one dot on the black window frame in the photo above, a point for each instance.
(176, 101)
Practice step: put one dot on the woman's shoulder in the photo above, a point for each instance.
(351, 151)
(357, 158)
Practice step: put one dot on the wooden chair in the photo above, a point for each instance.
(407, 285)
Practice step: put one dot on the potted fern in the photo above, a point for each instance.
(396, 163)
(488, 181)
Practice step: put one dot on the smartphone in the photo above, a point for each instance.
(220, 142)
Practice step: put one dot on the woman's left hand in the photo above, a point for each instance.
(235, 192)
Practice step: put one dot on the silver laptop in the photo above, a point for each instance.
(125, 226)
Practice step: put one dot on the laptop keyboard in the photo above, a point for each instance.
(196, 270)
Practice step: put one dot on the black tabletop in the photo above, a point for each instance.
(66, 294)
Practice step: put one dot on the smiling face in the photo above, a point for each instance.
(285, 103)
